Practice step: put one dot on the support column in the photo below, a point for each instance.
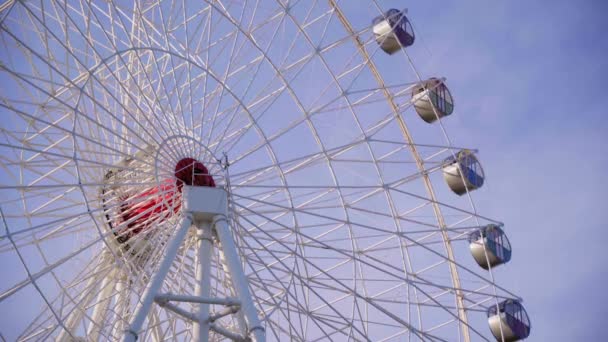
(240, 318)
(206, 208)
(156, 282)
(239, 281)
(122, 295)
(202, 288)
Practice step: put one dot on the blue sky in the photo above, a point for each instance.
(527, 80)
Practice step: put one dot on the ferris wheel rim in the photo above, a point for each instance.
(454, 272)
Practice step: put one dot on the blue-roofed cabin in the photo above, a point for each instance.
(462, 172)
(393, 31)
(509, 321)
(432, 100)
(490, 246)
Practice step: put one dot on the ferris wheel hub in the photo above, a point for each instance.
(204, 203)
(177, 161)
(190, 171)
(158, 203)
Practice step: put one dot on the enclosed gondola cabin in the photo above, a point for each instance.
(432, 100)
(393, 31)
(462, 172)
(509, 321)
(490, 246)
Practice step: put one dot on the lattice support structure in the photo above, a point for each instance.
(205, 209)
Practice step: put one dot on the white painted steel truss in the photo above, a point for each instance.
(205, 209)
(340, 219)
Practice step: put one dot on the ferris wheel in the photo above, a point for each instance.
(236, 170)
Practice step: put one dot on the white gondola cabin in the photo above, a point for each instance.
(393, 31)
(509, 321)
(490, 246)
(462, 172)
(432, 100)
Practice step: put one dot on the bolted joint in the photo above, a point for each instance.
(228, 311)
(218, 218)
(162, 300)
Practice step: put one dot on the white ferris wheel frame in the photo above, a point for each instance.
(202, 326)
